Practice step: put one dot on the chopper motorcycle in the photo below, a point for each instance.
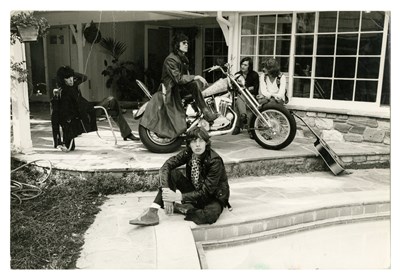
(271, 125)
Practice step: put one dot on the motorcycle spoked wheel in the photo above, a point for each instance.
(157, 144)
(282, 131)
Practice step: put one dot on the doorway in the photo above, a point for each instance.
(157, 45)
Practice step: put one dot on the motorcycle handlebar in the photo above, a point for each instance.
(212, 68)
(220, 67)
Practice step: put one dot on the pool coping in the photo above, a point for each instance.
(277, 226)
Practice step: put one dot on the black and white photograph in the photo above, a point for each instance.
(204, 137)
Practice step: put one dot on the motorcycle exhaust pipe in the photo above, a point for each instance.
(227, 131)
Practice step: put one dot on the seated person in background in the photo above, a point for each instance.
(251, 81)
(75, 114)
(204, 191)
(272, 83)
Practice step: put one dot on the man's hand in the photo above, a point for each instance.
(200, 78)
(169, 195)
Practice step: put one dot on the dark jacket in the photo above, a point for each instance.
(213, 178)
(252, 79)
(75, 114)
(166, 115)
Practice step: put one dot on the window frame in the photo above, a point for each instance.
(311, 103)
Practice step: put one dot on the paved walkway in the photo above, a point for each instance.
(112, 243)
(95, 154)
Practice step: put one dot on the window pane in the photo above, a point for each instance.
(284, 25)
(327, 22)
(218, 48)
(347, 44)
(324, 67)
(284, 63)
(385, 97)
(305, 22)
(349, 21)
(304, 44)
(368, 68)
(326, 44)
(302, 66)
(366, 91)
(343, 90)
(345, 67)
(218, 35)
(266, 46)
(282, 45)
(208, 48)
(301, 88)
(372, 21)
(208, 34)
(370, 44)
(322, 89)
(267, 24)
(249, 25)
(248, 46)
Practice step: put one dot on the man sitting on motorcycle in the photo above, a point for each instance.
(203, 192)
(165, 114)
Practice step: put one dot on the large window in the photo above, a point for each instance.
(215, 52)
(264, 36)
(336, 55)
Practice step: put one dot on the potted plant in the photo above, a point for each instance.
(26, 27)
(121, 74)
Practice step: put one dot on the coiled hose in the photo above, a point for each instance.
(23, 191)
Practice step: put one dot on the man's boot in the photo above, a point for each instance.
(148, 218)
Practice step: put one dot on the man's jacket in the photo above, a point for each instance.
(165, 114)
(213, 178)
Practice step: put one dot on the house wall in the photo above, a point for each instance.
(344, 128)
(132, 34)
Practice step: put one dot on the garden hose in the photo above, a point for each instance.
(23, 191)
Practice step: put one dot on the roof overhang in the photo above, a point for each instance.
(73, 17)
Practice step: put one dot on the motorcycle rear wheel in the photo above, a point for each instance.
(157, 144)
(282, 131)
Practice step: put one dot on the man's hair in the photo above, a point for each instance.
(272, 65)
(64, 72)
(198, 132)
(178, 38)
(250, 62)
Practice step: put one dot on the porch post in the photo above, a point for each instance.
(21, 129)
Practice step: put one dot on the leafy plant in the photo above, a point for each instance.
(19, 73)
(120, 73)
(114, 47)
(26, 19)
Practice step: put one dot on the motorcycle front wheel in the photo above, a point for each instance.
(157, 144)
(282, 128)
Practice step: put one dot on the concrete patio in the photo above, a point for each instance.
(294, 191)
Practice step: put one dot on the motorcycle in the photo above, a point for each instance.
(272, 125)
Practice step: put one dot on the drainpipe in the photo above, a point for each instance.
(227, 27)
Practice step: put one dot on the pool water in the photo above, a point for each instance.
(362, 245)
